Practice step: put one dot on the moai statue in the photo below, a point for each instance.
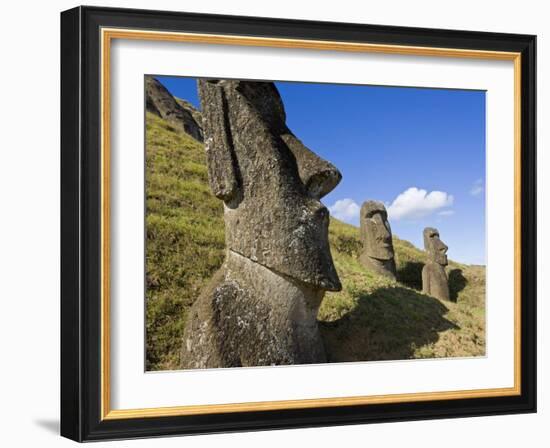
(434, 277)
(261, 306)
(377, 254)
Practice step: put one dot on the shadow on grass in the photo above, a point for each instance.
(410, 274)
(457, 282)
(387, 324)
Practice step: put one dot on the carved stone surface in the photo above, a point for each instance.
(377, 254)
(180, 114)
(261, 307)
(434, 277)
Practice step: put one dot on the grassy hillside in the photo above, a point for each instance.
(372, 318)
(185, 236)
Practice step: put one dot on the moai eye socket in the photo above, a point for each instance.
(381, 221)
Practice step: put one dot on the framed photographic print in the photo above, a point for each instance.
(273, 223)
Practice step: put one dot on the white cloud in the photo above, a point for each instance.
(446, 213)
(345, 209)
(416, 203)
(477, 188)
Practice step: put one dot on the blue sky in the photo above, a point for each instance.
(420, 151)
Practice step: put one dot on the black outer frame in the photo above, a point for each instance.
(80, 223)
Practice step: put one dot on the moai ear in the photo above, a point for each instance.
(217, 138)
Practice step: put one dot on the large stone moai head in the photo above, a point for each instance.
(435, 248)
(434, 277)
(271, 184)
(376, 236)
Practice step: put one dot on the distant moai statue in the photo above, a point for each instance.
(261, 306)
(434, 277)
(377, 254)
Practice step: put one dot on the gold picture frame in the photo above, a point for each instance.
(119, 26)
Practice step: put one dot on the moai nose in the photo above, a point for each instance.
(386, 231)
(319, 176)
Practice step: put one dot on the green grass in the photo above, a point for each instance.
(185, 237)
(372, 318)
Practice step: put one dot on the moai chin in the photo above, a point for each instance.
(434, 277)
(377, 254)
(261, 306)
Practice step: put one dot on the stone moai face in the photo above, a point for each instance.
(271, 184)
(436, 249)
(376, 231)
